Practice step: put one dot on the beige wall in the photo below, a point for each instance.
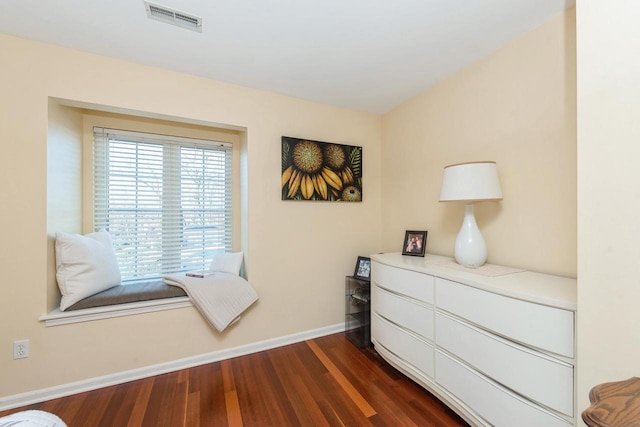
(517, 107)
(608, 193)
(64, 184)
(298, 253)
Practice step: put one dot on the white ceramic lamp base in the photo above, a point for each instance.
(470, 249)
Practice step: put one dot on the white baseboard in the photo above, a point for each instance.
(56, 392)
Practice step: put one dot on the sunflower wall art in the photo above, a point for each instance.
(314, 170)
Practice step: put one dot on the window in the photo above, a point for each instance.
(166, 201)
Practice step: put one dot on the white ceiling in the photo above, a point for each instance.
(368, 55)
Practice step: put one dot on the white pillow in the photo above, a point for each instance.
(85, 265)
(227, 263)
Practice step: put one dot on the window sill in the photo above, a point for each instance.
(57, 317)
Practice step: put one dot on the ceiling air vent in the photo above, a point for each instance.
(170, 16)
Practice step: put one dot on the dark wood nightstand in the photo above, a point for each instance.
(615, 404)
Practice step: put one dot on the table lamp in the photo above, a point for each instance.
(470, 182)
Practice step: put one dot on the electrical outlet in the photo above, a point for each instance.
(20, 349)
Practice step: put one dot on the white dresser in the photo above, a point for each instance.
(497, 346)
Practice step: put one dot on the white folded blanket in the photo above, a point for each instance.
(220, 297)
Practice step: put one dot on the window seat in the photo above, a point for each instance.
(129, 293)
(120, 301)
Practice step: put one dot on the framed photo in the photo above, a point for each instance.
(363, 268)
(414, 243)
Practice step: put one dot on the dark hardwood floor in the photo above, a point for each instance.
(322, 382)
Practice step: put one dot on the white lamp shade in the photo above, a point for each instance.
(470, 182)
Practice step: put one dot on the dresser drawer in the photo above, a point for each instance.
(412, 315)
(407, 347)
(536, 325)
(492, 402)
(416, 285)
(531, 374)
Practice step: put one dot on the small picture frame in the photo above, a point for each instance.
(363, 268)
(415, 243)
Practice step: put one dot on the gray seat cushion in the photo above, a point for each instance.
(129, 293)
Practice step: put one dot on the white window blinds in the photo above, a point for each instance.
(166, 201)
